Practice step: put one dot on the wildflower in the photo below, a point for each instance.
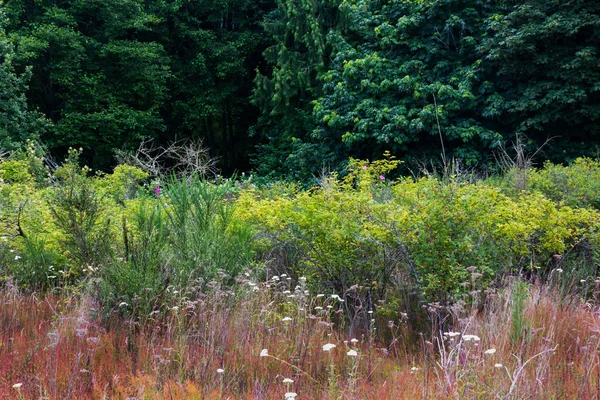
(285, 319)
(290, 395)
(468, 338)
(17, 258)
(283, 275)
(156, 191)
(451, 335)
(93, 340)
(413, 370)
(264, 353)
(364, 167)
(354, 340)
(490, 351)
(370, 312)
(381, 177)
(275, 278)
(352, 353)
(328, 347)
(318, 308)
(220, 371)
(288, 380)
(17, 385)
(330, 306)
(498, 365)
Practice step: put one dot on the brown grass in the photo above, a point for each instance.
(58, 348)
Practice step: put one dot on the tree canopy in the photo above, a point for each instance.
(288, 88)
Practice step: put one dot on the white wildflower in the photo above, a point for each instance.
(328, 346)
(468, 338)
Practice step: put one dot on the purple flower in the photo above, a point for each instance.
(156, 191)
(382, 177)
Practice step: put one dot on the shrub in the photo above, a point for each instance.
(79, 213)
(205, 235)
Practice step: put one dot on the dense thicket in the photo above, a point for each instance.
(301, 85)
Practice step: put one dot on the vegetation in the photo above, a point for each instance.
(153, 284)
(290, 88)
(373, 233)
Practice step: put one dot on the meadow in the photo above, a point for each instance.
(370, 285)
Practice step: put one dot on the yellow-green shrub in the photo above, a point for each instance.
(365, 230)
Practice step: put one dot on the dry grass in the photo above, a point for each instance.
(58, 348)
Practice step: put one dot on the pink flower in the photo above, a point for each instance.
(364, 167)
(382, 177)
(156, 191)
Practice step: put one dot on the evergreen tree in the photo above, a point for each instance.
(299, 57)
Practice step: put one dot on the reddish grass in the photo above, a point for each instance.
(56, 347)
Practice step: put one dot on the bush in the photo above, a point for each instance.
(443, 239)
(205, 236)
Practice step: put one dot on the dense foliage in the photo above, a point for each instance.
(109, 74)
(297, 87)
(141, 244)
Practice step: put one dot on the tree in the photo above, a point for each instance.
(404, 74)
(214, 48)
(299, 56)
(97, 73)
(18, 123)
(544, 58)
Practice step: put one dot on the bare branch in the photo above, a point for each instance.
(183, 158)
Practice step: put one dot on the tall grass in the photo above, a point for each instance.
(58, 349)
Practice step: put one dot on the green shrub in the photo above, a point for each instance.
(79, 213)
(205, 236)
(36, 267)
(577, 185)
(440, 238)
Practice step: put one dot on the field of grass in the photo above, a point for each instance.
(237, 345)
(369, 286)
